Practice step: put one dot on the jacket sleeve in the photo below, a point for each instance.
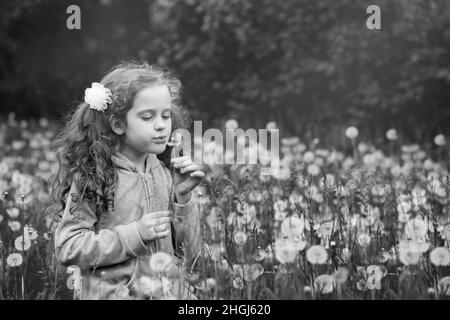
(77, 243)
(187, 229)
(187, 226)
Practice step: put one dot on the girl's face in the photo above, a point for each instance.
(149, 122)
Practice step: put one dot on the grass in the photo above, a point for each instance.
(362, 223)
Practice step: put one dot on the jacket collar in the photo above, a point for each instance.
(122, 162)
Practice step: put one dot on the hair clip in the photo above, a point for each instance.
(97, 96)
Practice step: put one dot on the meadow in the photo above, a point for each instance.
(368, 222)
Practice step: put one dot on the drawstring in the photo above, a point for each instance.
(153, 244)
(141, 185)
(153, 177)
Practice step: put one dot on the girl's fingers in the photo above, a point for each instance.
(179, 159)
(158, 214)
(162, 227)
(198, 174)
(161, 221)
(182, 164)
(163, 234)
(192, 167)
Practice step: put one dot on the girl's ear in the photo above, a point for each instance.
(117, 126)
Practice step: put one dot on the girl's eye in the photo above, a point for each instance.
(166, 117)
(146, 118)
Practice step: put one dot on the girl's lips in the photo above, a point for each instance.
(159, 140)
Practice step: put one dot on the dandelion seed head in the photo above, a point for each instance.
(160, 261)
(238, 283)
(444, 286)
(13, 213)
(439, 140)
(316, 254)
(308, 157)
(207, 285)
(440, 256)
(30, 232)
(351, 132)
(341, 275)
(392, 134)
(240, 238)
(175, 140)
(14, 225)
(409, 252)
(253, 271)
(14, 260)
(22, 243)
(416, 229)
(364, 240)
(271, 126)
(293, 227)
(285, 251)
(231, 124)
(324, 284)
(313, 169)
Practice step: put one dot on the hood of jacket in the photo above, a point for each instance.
(124, 163)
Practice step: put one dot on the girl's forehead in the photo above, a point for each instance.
(152, 98)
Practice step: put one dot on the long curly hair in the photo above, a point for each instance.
(85, 145)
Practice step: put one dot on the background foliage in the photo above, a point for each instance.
(375, 205)
(310, 66)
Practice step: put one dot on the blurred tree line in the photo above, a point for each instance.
(311, 66)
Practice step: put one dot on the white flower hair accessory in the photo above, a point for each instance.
(97, 96)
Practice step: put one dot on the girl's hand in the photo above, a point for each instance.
(154, 225)
(188, 175)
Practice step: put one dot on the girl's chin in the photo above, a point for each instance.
(157, 148)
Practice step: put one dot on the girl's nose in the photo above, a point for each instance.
(159, 124)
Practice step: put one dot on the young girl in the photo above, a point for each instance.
(115, 186)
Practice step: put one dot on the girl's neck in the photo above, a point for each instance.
(138, 158)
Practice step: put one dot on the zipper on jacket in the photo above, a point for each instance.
(147, 189)
(153, 244)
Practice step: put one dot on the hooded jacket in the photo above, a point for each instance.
(109, 249)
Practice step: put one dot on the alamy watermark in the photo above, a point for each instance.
(373, 22)
(73, 21)
(235, 146)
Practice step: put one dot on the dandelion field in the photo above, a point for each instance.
(364, 224)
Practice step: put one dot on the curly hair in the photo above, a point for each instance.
(85, 145)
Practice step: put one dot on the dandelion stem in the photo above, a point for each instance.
(215, 277)
(372, 294)
(313, 291)
(339, 290)
(434, 275)
(55, 280)
(23, 248)
(3, 248)
(202, 259)
(249, 290)
(355, 150)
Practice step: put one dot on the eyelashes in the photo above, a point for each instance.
(149, 118)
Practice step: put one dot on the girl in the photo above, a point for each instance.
(115, 186)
